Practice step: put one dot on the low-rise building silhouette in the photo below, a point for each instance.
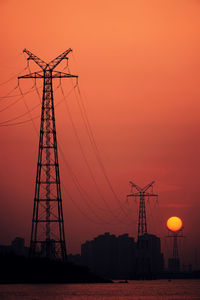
(17, 247)
(75, 259)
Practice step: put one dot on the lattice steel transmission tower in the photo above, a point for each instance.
(174, 261)
(142, 194)
(47, 234)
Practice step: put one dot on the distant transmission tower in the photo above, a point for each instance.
(142, 194)
(47, 234)
(174, 261)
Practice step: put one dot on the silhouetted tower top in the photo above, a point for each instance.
(47, 235)
(142, 193)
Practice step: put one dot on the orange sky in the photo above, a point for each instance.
(138, 65)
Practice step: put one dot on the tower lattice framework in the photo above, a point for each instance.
(47, 234)
(175, 235)
(142, 193)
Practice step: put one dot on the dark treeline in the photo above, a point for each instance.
(18, 269)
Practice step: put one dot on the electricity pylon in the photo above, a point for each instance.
(142, 194)
(47, 234)
(174, 262)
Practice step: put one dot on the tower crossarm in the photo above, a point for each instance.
(150, 195)
(177, 233)
(148, 186)
(143, 195)
(36, 59)
(56, 74)
(135, 186)
(133, 195)
(58, 59)
(32, 75)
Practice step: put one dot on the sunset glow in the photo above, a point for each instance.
(138, 93)
(174, 223)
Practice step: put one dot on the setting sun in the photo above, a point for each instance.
(174, 223)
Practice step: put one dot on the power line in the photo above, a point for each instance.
(11, 104)
(29, 112)
(94, 146)
(78, 206)
(28, 120)
(8, 94)
(17, 100)
(81, 148)
(87, 163)
(13, 77)
(19, 116)
(19, 123)
(25, 93)
(79, 188)
(34, 80)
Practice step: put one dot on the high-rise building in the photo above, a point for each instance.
(110, 256)
(149, 259)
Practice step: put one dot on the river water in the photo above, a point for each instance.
(136, 290)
